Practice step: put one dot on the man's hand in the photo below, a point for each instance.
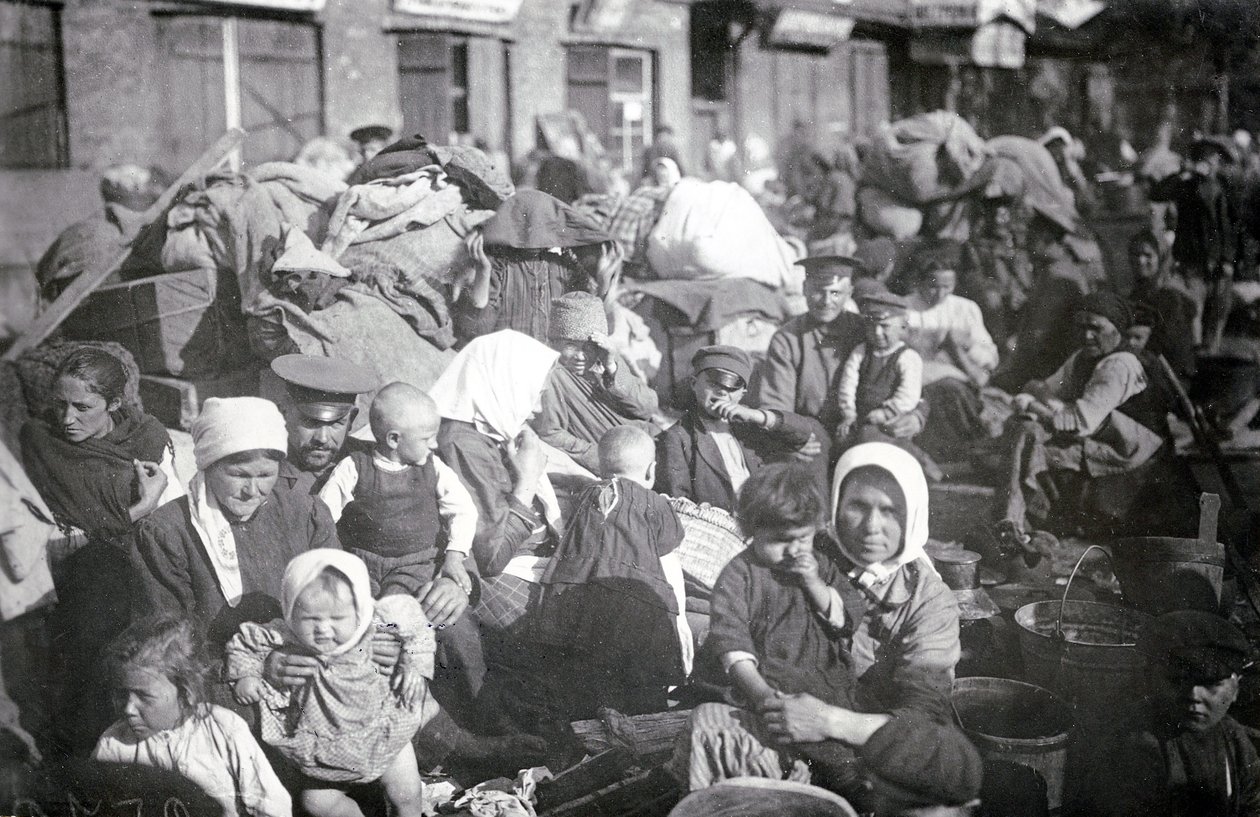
(904, 426)
(1065, 421)
(443, 602)
(386, 650)
(283, 669)
(248, 691)
(799, 718)
(152, 483)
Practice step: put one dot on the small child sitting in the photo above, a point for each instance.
(349, 723)
(779, 627)
(390, 505)
(615, 565)
(883, 377)
(158, 669)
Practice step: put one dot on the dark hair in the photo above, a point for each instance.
(170, 646)
(780, 496)
(934, 256)
(100, 371)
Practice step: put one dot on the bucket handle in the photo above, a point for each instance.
(1058, 624)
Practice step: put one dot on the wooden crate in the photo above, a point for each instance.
(177, 401)
(177, 324)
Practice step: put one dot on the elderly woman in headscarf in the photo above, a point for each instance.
(900, 635)
(1157, 287)
(1077, 447)
(534, 249)
(100, 465)
(218, 554)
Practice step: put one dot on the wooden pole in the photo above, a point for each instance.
(87, 282)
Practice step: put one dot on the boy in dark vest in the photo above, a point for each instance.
(399, 507)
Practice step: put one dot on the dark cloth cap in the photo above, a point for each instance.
(731, 358)
(372, 133)
(1196, 644)
(922, 762)
(323, 388)
(1109, 305)
(881, 304)
(937, 255)
(830, 266)
(534, 220)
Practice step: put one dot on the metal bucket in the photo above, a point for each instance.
(1019, 722)
(1086, 652)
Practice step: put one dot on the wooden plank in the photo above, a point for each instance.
(81, 287)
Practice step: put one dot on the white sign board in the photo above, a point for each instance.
(798, 27)
(470, 11)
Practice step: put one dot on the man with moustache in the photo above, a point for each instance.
(319, 413)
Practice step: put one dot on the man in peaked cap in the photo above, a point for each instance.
(370, 139)
(319, 412)
(801, 372)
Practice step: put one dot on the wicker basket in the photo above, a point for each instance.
(711, 538)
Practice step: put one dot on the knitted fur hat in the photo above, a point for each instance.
(577, 316)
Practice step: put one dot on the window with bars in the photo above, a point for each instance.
(433, 85)
(613, 90)
(32, 88)
(277, 96)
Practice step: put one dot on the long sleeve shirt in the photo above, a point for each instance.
(215, 750)
(455, 504)
(904, 396)
(931, 325)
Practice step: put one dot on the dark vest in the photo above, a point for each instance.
(877, 380)
(393, 513)
(1149, 407)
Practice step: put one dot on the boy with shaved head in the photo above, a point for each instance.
(399, 507)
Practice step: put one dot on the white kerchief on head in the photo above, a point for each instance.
(227, 426)
(907, 473)
(306, 567)
(495, 382)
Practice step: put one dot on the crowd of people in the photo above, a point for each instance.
(334, 606)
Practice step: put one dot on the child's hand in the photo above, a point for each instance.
(877, 417)
(844, 430)
(406, 682)
(805, 568)
(453, 569)
(763, 704)
(733, 412)
(248, 691)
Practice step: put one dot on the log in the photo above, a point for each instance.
(648, 736)
(81, 287)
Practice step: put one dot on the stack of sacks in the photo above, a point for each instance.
(916, 174)
(711, 230)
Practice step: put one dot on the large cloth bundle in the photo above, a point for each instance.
(885, 215)
(1042, 187)
(710, 230)
(921, 159)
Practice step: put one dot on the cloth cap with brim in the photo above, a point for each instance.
(576, 316)
(727, 358)
(1213, 144)
(1197, 645)
(830, 266)
(323, 388)
(1108, 305)
(920, 762)
(882, 304)
(372, 133)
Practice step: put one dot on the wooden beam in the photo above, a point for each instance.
(48, 321)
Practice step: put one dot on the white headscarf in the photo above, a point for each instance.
(495, 382)
(905, 470)
(306, 567)
(227, 426)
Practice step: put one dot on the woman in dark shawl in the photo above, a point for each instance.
(534, 249)
(100, 466)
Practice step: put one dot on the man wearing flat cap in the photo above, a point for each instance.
(370, 139)
(801, 372)
(708, 454)
(320, 413)
(1183, 756)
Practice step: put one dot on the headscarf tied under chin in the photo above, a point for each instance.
(905, 471)
(306, 567)
(495, 383)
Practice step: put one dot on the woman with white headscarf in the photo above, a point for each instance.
(218, 554)
(486, 398)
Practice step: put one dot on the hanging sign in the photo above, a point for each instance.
(469, 11)
(810, 28)
(284, 5)
(972, 13)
